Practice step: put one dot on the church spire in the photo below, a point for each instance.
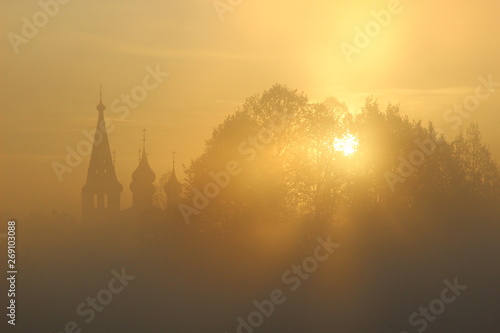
(173, 189)
(143, 177)
(173, 163)
(100, 106)
(101, 192)
(143, 141)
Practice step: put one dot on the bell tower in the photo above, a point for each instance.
(101, 192)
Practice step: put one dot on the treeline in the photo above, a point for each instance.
(274, 161)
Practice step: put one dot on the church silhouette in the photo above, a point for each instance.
(101, 207)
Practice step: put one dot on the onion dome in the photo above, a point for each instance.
(143, 175)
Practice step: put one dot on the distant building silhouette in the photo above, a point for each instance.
(101, 192)
(142, 186)
(173, 191)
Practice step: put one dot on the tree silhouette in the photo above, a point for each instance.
(480, 173)
(292, 174)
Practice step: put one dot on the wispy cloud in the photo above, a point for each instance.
(124, 47)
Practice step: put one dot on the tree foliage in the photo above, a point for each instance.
(291, 174)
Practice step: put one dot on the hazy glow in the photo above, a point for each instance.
(207, 59)
(348, 144)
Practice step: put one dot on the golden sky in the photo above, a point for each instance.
(427, 58)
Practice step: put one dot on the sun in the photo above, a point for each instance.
(348, 144)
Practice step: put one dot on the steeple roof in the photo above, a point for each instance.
(143, 176)
(172, 184)
(101, 171)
